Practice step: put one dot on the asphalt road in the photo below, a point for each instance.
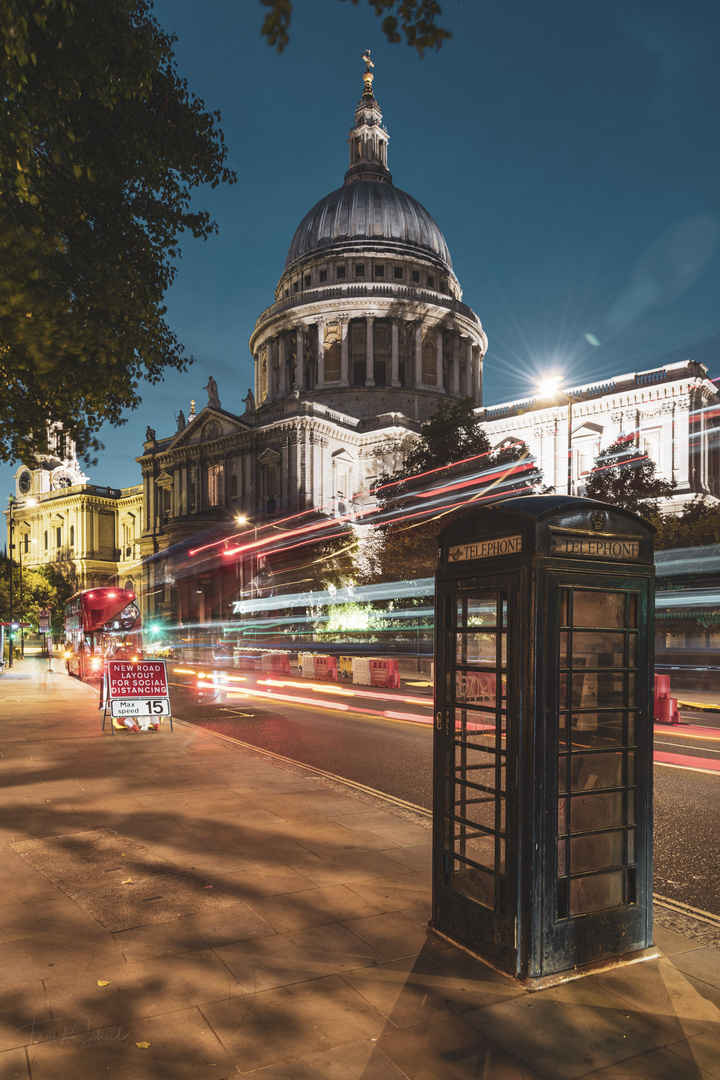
(395, 758)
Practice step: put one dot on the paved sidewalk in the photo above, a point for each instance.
(175, 907)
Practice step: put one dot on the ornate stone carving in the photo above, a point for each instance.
(211, 430)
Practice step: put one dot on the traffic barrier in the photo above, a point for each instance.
(307, 665)
(345, 666)
(276, 662)
(361, 670)
(665, 710)
(385, 673)
(326, 668)
(246, 661)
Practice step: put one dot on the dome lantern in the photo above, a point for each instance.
(368, 138)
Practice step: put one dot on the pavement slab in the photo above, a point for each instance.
(204, 930)
(450, 1049)
(354, 1061)
(313, 907)
(180, 1046)
(129, 991)
(291, 1022)
(657, 1065)
(432, 984)
(121, 883)
(264, 963)
(14, 1065)
(703, 1051)
(546, 1028)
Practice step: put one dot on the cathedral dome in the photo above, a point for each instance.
(367, 213)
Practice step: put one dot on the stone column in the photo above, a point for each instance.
(418, 353)
(344, 358)
(479, 378)
(271, 387)
(455, 384)
(300, 363)
(282, 365)
(439, 369)
(394, 354)
(370, 351)
(320, 354)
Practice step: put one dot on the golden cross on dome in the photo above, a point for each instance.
(368, 61)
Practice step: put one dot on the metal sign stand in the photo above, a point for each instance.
(134, 690)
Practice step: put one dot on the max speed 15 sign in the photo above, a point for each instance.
(137, 688)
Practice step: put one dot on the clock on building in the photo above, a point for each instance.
(25, 482)
(62, 480)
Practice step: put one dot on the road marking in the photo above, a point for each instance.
(685, 909)
(705, 749)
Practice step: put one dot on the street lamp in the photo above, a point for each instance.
(244, 521)
(28, 502)
(549, 387)
(11, 545)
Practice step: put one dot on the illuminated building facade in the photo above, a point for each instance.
(672, 413)
(366, 334)
(89, 533)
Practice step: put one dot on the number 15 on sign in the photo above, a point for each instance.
(140, 707)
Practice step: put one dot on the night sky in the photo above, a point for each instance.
(568, 151)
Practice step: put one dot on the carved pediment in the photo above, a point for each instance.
(164, 480)
(209, 424)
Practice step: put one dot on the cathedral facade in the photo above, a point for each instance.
(367, 333)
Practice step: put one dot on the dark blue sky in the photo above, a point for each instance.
(568, 151)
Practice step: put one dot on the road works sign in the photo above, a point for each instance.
(137, 688)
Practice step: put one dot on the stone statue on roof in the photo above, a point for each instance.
(212, 392)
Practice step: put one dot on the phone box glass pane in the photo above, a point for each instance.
(596, 852)
(598, 608)
(474, 884)
(590, 771)
(596, 893)
(601, 811)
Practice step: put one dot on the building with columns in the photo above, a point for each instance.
(366, 334)
(90, 533)
(671, 411)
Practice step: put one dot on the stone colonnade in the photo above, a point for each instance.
(322, 354)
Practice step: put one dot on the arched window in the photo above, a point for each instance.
(233, 486)
(46, 539)
(72, 536)
(429, 358)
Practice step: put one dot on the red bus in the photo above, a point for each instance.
(100, 624)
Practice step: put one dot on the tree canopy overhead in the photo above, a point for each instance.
(101, 146)
(410, 20)
(625, 476)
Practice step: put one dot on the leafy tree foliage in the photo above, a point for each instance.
(411, 20)
(698, 524)
(625, 476)
(101, 146)
(452, 435)
(41, 588)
